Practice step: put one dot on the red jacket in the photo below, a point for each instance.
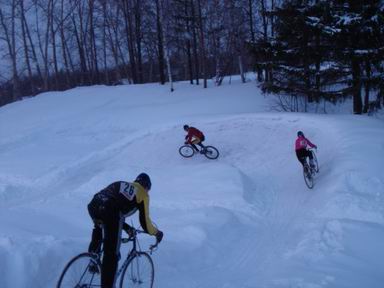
(193, 133)
(302, 143)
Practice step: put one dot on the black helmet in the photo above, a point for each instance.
(144, 180)
(186, 127)
(300, 134)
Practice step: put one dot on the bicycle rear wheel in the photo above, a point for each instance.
(139, 272)
(308, 177)
(83, 271)
(211, 152)
(186, 151)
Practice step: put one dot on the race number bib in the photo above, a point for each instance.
(128, 190)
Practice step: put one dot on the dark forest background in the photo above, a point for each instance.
(303, 51)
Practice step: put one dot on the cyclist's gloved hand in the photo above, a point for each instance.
(159, 236)
(129, 230)
(315, 147)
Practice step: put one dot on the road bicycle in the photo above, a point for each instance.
(188, 151)
(83, 271)
(309, 171)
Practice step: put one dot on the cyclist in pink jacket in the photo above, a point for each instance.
(302, 152)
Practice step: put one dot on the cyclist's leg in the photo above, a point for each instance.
(310, 155)
(112, 238)
(194, 142)
(194, 147)
(201, 142)
(301, 156)
(97, 234)
(97, 239)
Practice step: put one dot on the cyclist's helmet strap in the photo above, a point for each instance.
(300, 134)
(144, 180)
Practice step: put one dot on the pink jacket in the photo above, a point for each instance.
(302, 143)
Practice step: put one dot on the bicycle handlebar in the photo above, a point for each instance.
(152, 247)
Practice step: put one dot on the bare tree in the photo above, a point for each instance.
(10, 38)
(25, 46)
(202, 43)
(57, 44)
(194, 41)
(160, 41)
(165, 41)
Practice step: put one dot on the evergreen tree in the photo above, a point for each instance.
(325, 50)
(359, 46)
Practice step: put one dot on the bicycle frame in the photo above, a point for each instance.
(93, 266)
(132, 253)
(206, 150)
(310, 171)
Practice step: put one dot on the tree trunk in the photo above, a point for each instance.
(113, 40)
(94, 59)
(356, 86)
(188, 44)
(33, 50)
(46, 46)
(26, 50)
(202, 44)
(241, 69)
(130, 38)
(367, 84)
(63, 45)
(105, 23)
(138, 37)
(250, 20)
(267, 67)
(195, 54)
(11, 44)
(165, 41)
(80, 48)
(160, 45)
(54, 54)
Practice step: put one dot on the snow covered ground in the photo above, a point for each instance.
(245, 220)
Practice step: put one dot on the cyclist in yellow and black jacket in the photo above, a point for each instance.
(109, 207)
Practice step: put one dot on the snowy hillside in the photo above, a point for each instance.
(244, 220)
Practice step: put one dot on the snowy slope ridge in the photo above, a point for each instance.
(244, 220)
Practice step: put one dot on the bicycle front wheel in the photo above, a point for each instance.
(315, 162)
(211, 152)
(139, 272)
(83, 271)
(308, 177)
(186, 151)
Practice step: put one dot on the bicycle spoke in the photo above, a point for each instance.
(308, 177)
(211, 152)
(139, 272)
(186, 151)
(81, 272)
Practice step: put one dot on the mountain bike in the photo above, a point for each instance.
(309, 171)
(188, 151)
(83, 271)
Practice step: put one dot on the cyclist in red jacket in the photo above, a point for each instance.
(301, 149)
(194, 137)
